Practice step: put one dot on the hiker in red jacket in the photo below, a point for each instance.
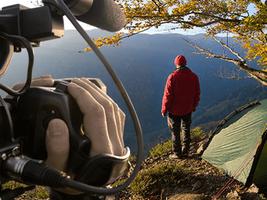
(180, 99)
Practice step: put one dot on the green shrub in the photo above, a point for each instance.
(160, 149)
(41, 193)
(197, 133)
(151, 181)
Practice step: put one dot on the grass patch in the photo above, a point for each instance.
(41, 193)
(12, 185)
(150, 181)
(197, 134)
(38, 193)
(161, 149)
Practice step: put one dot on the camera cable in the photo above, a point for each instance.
(140, 144)
(25, 43)
(11, 135)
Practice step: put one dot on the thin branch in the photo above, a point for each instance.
(135, 33)
(265, 36)
(176, 21)
(259, 75)
(198, 25)
(229, 49)
(159, 9)
(183, 22)
(233, 74)
(214, 16)
(248, 36)
(221, 19)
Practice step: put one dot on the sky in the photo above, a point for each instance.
(68, 25)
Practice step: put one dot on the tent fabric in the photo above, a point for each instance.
(233, 148)
(260, 175)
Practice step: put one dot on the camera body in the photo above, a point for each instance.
(35, 109)
(31, 113)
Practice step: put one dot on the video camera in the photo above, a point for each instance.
(25, 114)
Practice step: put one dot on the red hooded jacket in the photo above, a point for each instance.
(182, 92)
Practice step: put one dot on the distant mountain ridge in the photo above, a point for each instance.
(143, 63)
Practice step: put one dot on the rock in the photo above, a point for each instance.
(233, 195)
(251, 193)
(253, 189)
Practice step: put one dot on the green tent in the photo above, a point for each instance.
(238, 145)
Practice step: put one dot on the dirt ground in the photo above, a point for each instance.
(203, 182)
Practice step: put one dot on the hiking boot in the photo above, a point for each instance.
(185, 152)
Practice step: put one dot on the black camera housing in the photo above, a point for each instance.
(35, 24)
(35, 109)
(31, 113)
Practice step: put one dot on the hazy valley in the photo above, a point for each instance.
(143, 63)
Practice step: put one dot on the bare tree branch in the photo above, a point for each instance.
(259, 75)
(229, 49)
(216, 17)
(233, 74)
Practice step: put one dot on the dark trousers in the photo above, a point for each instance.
(178, 124)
